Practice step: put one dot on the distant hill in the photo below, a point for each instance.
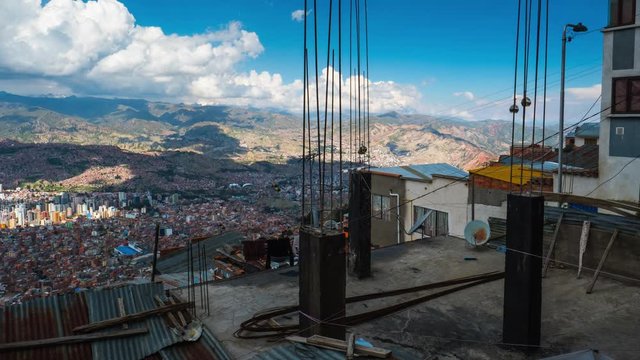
(242, 135)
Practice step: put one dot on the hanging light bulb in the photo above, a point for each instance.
(514, 109)
(526, 102)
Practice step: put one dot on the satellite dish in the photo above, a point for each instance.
(477, 232)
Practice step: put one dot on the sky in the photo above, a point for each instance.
(446, 58)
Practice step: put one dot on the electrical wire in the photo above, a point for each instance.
(366, 217)
(515, 85)
(615, 175)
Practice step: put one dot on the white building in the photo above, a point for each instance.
(406, 206)
(619, 140)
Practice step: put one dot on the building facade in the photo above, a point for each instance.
(619, 169)
(416, 201)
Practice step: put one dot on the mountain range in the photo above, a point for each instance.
(197, 141)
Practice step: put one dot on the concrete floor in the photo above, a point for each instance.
(463, 325)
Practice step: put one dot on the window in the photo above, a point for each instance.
(622, 12)
(626, 95)
(435, 224)
(623, 49)
(591, 141)
(380, 207)
(624, 137)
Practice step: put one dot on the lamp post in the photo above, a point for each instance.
(579, 27)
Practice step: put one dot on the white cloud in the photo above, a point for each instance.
(467, 94)
(585, 93)
(95, 47)
(298, 15)
(62, 37)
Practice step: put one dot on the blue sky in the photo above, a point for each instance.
(443, 57)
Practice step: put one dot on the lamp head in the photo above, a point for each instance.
(579, 27)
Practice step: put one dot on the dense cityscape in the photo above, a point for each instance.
(58, 242)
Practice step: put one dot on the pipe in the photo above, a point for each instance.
(398, 213)
(561, 117)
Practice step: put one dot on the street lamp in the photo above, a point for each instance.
(579, 27)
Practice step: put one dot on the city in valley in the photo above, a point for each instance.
(298, 179)
(59, 242)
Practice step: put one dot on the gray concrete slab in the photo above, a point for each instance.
(463, 325)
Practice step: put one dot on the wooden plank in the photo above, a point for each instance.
(172, 318)
(73, 339)
(613, 206)
(342, 345)
(584, 238)
(121, 311)
(248, 267)
(133, 317)
(553, 244)
(183, 321)
(602, 260)
(351, 342)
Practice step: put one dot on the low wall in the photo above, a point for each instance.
(623, 259)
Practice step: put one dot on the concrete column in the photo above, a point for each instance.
(523, 266)
(322, 282)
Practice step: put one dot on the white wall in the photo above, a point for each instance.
(451, 199)
(577, 185)
(484, 212)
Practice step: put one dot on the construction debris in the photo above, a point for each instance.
(123, 319)
(66, 340)
(340, 345)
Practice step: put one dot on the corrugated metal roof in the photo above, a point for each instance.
(503, 173)
(440, 169)
(422, 172)
(45, 318)
(587, 130)
(103, 305)
(580, 355)
(397, 171)
(206, 348)
(177, 261)
(57, 316)
(296, 351)
(625, 224)
(585, 156)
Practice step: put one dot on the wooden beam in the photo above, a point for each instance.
(133, 317)
(121, 312)
(602, 260)
(172, 318)
(553, 244)
(351, 343)
(341, 345)
(238, 262)
(66, 340)
(613, 206)
(183, 321)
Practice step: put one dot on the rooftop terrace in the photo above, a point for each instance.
(464, 325)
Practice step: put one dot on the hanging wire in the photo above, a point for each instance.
(514, 106)
(525, 99)
(340, 99)
(333, 63)
(304, 114)
(326, 105)
(367, 79)
(535, 94)
(544, 104)
(315, 34)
